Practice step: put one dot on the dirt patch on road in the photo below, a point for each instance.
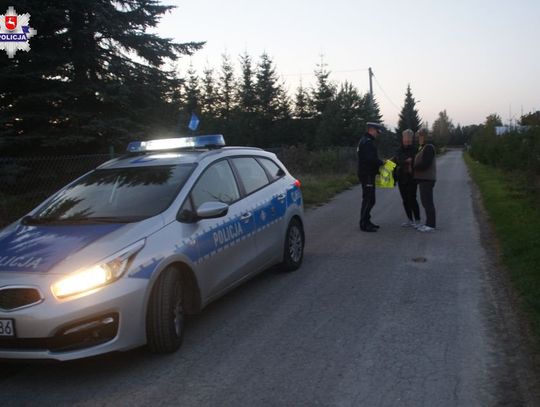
(517, 356)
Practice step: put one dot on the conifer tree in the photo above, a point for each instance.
(408, 118)
(226, 88)
(209, 98)
(192, 92)
(247, 99)
(95, 75)
(302, 103)
(267, 88)
(324, 90)
(371, 109)
(342, 121)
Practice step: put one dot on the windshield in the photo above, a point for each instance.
(116, 195)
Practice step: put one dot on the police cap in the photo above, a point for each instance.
(375, 125)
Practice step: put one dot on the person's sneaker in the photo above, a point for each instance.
(425, 228)
(417, 224)
(407, 224)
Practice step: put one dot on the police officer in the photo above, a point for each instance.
(368, 168)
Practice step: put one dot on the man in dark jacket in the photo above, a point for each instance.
(368, 168)
(404, 158)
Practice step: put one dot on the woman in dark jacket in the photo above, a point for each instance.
(404, 158)
(425, 173)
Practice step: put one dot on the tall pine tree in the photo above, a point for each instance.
(324, 91)
(245, 118)
(268, 89)
(302, 104)
(271, 101)
(408, 118)
(342, 121)
(209, 97)
(371, 109)
(247, 97)
(94, 75)
(226, 88)
(192, 92)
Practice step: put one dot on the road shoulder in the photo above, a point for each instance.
(522, 360)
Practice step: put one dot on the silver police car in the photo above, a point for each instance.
(115, 259)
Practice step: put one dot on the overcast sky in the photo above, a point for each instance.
(471, 58)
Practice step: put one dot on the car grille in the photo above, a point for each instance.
(17, 297)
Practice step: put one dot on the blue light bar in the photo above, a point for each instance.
(210, 141)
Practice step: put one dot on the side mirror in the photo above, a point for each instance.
(187, 216)
(211, 210)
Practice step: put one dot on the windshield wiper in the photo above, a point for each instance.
(29, 220)
(103, 219)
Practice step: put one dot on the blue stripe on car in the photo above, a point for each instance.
(202, 246)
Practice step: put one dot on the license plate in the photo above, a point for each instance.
(7, 327)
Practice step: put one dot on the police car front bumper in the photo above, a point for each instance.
(109, 319)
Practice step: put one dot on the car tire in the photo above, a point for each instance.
(293, 252)
(165, 317)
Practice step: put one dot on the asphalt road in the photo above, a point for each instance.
(394, 318)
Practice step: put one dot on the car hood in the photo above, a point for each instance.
(39, 248)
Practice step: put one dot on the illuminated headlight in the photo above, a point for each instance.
(98, 275)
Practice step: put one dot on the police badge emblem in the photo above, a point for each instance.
(15, 32)
(10, 22)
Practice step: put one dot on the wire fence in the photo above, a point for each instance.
(299, 160)
(26, 182)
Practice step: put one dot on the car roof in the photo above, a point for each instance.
(191, 156)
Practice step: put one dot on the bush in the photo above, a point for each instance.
(511, 151)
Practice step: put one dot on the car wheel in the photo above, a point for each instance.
(294, 246)
(165, 317)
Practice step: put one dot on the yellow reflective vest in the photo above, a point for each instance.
(385, 177)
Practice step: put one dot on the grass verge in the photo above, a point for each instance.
(513, 209)
(320, 188)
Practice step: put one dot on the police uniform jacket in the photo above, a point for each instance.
(368, 161)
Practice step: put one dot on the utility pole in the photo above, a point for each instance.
(370, 87)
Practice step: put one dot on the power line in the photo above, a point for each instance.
(385, 94)
(313, 74)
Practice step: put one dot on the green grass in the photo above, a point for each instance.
(513, 208)
(320, 188)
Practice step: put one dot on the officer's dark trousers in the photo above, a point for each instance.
(426, 197)
(408, 195)
(368, 199)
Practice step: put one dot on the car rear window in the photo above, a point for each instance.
(272, 168)
(251, 173)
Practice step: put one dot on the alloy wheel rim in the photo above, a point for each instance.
(295, 244)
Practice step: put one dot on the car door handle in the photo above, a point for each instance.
(246, 216)
(282, 197)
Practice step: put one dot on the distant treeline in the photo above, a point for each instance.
(252, 107)
(96, 77)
